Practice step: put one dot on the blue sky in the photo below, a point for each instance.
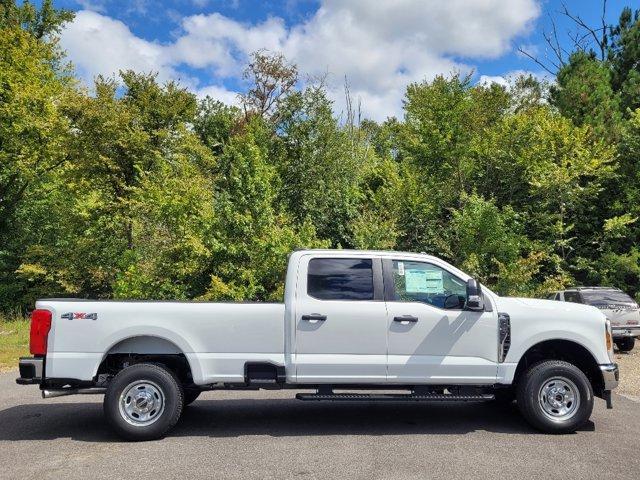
(379, 47)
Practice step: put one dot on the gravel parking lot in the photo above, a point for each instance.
(268, 435)
(629, 372)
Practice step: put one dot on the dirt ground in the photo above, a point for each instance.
(629, 372)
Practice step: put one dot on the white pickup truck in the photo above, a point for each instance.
(351, 320)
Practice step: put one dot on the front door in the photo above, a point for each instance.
(340, 321)
(431, 338)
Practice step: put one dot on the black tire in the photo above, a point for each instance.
(542, 414)
(191, 395)
(625, 344)
(154, 386)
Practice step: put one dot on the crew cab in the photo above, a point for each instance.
(351, 320)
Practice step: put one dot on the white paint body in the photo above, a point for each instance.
(359, 343)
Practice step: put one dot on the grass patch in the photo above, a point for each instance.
(14, 340)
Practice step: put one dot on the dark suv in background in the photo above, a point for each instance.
(621, 310)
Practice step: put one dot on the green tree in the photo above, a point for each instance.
(624, 58)
(39, 23)
(626, 204)
(134, 198)
(33, 129)
(553, 173)
(252, 235)
(483, 235)
(584, 94)
(215, 123)
(437, 132)
(271, 79)
(319, 166)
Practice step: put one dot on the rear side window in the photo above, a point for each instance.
(340, 279)
(572, 297)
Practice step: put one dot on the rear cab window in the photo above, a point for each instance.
(340, 279)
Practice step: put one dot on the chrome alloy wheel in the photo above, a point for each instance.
(141, 403)
(559, 398)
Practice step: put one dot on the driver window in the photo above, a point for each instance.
(427, 283)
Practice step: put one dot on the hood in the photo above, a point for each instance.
(535, 304)
(534, 320)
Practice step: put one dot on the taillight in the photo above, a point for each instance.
(40, 326)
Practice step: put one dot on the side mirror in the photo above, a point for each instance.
(475, 301)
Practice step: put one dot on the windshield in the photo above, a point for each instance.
(604, 297)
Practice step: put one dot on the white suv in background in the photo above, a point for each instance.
(621, 310)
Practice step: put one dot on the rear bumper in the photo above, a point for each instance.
(31, 371)
(628, 331)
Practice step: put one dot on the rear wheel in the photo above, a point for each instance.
(143, 402)
(555, 396)
(626, 344)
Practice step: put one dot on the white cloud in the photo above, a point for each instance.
(489, 79)
(219, 93)
(378, 46)
(95, 5)
(98, 44)
(217, 41)
(509, 78)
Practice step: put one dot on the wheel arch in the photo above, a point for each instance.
(138, 348)
(567, 350)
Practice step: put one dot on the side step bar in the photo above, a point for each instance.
(365, 397)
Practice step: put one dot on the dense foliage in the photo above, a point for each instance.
(135, 189)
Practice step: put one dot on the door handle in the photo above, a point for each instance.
(314, 316)
(406, 318)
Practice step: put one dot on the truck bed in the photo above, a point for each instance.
(216, 338)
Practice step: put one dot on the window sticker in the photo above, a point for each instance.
(423, 281)
(416, 281)
(401, 269)
(435, 282)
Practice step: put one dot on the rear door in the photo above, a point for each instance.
(340, 321)
(431, 338)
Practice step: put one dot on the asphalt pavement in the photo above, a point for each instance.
(270, 435)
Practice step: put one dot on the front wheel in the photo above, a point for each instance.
(625, 344)
(143, 402)
(555, 396)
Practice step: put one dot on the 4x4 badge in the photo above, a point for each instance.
(80, 316)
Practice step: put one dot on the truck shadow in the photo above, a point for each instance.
(272, 417)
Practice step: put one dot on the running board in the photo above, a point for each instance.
(365, 397)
